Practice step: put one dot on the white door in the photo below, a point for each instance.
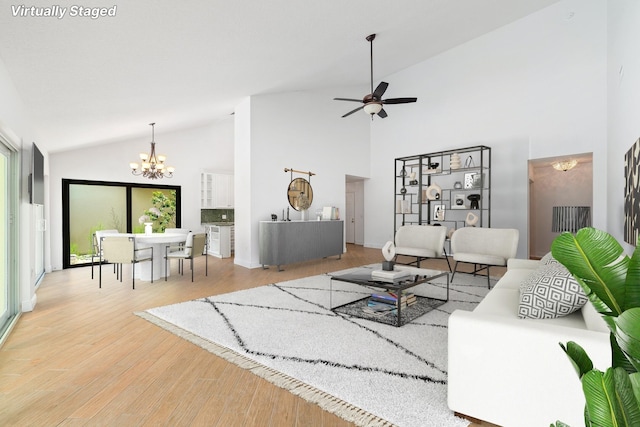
(350, 227)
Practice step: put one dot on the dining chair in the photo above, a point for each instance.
(195, 246)
(122, 250)
(97, 252)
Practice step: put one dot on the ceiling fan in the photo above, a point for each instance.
(373, 102)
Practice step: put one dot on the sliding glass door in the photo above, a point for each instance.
(8, 237)
(97, 205)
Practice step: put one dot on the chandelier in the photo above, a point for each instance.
(152, 166)
(564, 165)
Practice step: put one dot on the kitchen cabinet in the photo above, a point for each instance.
(220, 242)
(216, 191)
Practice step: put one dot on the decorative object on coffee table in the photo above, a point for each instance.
(388, 252)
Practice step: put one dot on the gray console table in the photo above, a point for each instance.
(286, 242)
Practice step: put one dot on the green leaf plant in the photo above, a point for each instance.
(611, 280)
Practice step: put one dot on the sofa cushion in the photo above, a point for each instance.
(503, 302)
(513, 279)
(550, 292)
(548, 259)
(479, 258)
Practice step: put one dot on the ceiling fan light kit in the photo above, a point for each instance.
(373, 103)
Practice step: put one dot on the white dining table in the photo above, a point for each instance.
(158, 241)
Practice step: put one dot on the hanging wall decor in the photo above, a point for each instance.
(632, 194)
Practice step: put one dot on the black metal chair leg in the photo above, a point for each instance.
(455, 268)
(488, 278)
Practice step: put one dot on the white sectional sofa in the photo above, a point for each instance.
(511, 371)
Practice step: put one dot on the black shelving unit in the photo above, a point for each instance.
(417, 179)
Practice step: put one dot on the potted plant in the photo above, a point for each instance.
(611, 280)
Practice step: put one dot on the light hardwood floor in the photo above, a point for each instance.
(83, 358)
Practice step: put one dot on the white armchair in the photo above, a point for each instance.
(483, 247)
(421, 241)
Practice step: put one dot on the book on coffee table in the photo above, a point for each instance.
(389, 276)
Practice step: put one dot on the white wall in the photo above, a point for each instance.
(623, 79)
(191, 151)
(298, 130)
(534, 88)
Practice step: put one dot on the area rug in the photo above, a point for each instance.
(366, 372)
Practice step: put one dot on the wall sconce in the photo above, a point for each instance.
(564, 165)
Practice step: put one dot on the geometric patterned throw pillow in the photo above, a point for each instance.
(548, 259)
(550, 292)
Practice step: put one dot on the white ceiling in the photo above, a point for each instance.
(181, 64)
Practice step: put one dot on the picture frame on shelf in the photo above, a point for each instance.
(458, 201)
(438, 212)
(472, 180)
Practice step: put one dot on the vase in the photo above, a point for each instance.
(455, 163)
(148, 230)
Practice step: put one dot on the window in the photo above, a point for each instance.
(88, 206)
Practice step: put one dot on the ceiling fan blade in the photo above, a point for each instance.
(382, 113)
(347, 99)
(353, 111)
(399, 100)
(380, 90)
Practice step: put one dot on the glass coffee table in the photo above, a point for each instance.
(402, 313)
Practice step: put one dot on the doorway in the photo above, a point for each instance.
(552, 190)
(354, 207)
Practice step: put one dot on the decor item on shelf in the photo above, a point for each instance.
(373, 102)
(455, 162)
(457, 185)
(403, 172)
(434, 165)
(152, 166)
(472, 219)
(388, 252)
(475, 199)
(469, 163)
(402, 206)
(148, 228)
(319, 214)
(403, 190)
(472, 180)
(564, 165)
(438, 212)
(274, 217)
(450, 232)
(413, 180)
(631, 194)
(459, 201)
(434, 192)
(300, 192)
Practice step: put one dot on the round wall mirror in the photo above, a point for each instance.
(300, 194)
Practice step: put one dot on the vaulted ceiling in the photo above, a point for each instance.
(181, 64)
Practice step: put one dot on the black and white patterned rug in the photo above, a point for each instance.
(366, 372)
